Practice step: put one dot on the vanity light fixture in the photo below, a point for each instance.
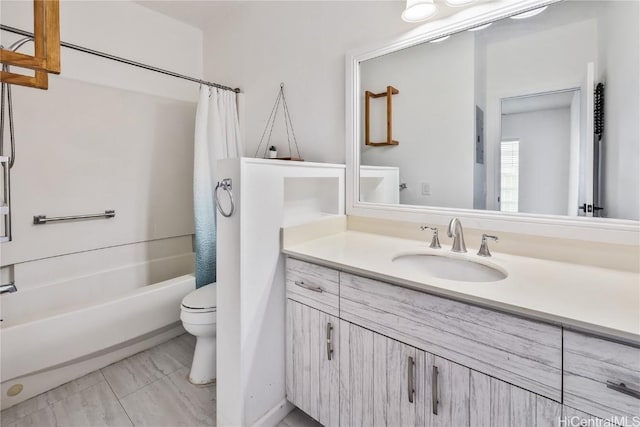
(530, 13)
(457, 3)
(481, 27)
(419, 10)
(441, 39)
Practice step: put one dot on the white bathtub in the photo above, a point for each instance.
(55, 332)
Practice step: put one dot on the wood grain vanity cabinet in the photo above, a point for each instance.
(313, 285)
(384, 382)
(495, 403)
(601, 377)
(361, 352)
(516, 350)
(312, 370)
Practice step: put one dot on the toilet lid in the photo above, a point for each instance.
(201, 298)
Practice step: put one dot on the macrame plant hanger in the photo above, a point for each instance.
(291, 135)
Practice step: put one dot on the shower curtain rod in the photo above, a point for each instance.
(122, 60)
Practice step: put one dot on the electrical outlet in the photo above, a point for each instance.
(426, 189)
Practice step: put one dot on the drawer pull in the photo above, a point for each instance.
(622, 388)
(411, 388)
(311, 288)
(434, 391)
(329, 341)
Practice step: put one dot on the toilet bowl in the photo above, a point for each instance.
(198, 315)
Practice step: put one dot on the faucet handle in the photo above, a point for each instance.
(484, 245)
(435, 240)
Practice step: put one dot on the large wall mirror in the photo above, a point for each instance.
(534, 114)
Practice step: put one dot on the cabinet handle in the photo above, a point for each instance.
(329, 341)
(311, 288)
(434, 390)
(622, 388)
(411, 388)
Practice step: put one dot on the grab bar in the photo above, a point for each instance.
(42, 219)
(8, 288)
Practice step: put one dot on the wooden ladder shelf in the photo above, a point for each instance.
(367, 111)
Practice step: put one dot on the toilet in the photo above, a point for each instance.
(198, 315)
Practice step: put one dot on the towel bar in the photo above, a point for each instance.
(42, 219)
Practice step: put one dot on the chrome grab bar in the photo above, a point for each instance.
(42, 219)
(8, 288)
(225, 184)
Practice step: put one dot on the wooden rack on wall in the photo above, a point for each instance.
(46, 40)
(367, 112)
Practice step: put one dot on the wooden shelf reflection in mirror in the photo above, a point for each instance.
(367, 114)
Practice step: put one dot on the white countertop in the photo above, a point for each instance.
(598, 300)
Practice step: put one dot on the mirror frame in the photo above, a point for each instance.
(606, 230)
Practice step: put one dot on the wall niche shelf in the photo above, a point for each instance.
(367, 111)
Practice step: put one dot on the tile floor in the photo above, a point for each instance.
(147, 389)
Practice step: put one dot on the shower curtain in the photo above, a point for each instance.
(217, 136)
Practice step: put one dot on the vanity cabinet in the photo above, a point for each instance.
(495, 403)
(384, 382)
(361, 352)
(312, 369)
(601, 377)
(519, 351)
(313, 285)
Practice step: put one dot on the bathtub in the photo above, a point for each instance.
(55, 332)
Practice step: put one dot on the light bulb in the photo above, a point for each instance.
(419, 10)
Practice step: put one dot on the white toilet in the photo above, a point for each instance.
(198, 315)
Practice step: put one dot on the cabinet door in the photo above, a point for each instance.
(447, 388)
(312, 370)
(379, 380)
(573, 417)
(496, 403)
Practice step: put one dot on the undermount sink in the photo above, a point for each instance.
(450, 268)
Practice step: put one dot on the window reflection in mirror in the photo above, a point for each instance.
(464, 101)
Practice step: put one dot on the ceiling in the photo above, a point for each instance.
(198, 12)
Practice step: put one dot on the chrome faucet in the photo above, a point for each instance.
(8, 288)
(455, 231)
(435, 240)
(484, 245)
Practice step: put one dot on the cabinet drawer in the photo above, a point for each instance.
(521, 352)
(591, 367)
(313, 285)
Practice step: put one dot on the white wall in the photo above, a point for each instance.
(257, 45)
(619, 34)
(105, 135)
(121, 28)
(436, 138)
(544, 158)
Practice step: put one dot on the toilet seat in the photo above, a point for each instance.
(202, 300)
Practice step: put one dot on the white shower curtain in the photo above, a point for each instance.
(217, 136)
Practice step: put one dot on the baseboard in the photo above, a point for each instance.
(276, 414)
